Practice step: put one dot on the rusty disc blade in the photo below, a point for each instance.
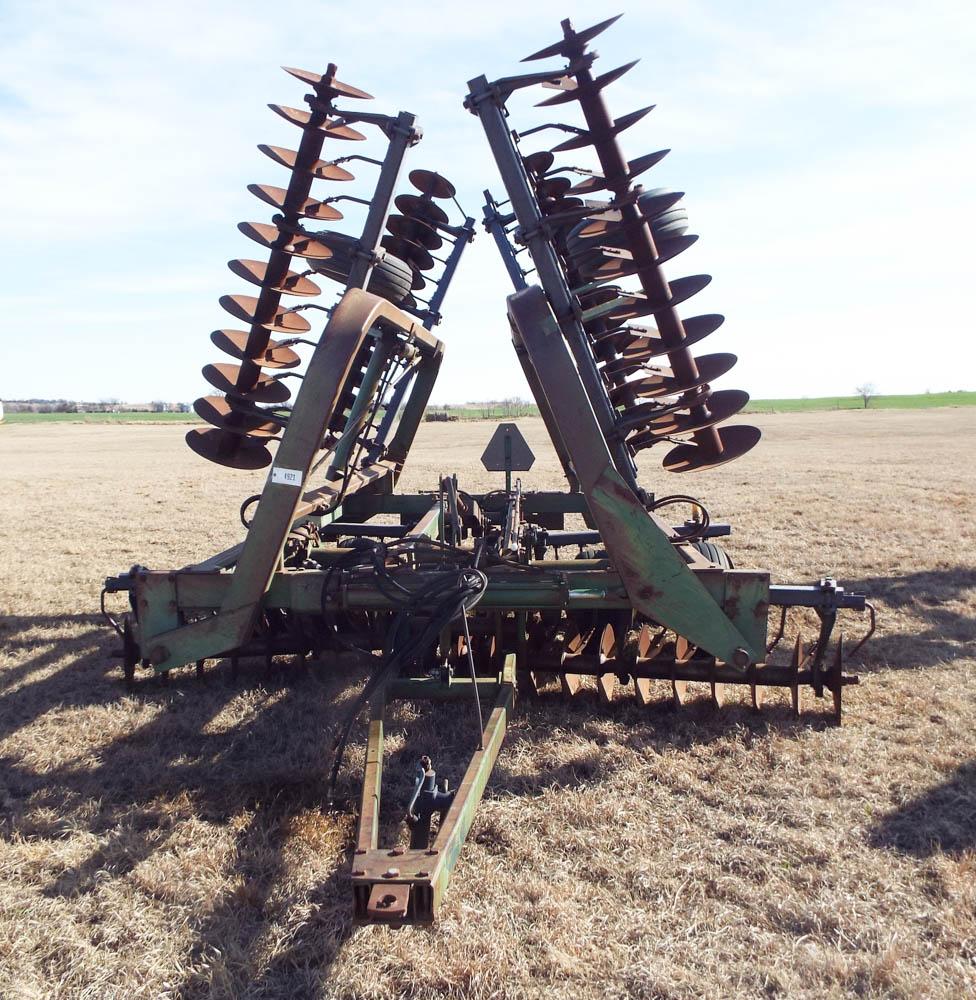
(321, 169)
(553, 187)
(217, 410)
(593, 87)
(323, 83)
(538, 163)
(236, 451)
(309, 208)
(567, 46)
(432, 184)
(265, 390)
(256, 272)
(710, 367)
(415, 230)
(244, 308)
(332, 127)
(415, 207)
(413, 253)
(297, 244)
(736, 441)
(681, 290)
(717, 408)
(634, 351)
(273, 355)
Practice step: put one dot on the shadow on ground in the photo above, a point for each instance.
(942, 819)
(943, 636)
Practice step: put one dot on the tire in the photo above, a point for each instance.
(714, 553)
(391, 278)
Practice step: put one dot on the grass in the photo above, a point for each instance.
(919, 401)
(171, 842)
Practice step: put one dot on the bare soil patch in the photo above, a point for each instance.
(170, 842)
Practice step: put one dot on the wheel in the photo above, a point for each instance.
(715, 553)
(391, 278)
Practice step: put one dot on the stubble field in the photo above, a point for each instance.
(170, 842)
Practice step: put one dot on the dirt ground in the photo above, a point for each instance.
(169, 842)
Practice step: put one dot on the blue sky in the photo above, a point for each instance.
(826, 150)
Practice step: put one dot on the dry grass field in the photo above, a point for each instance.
(170, 842)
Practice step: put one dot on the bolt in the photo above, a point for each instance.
(391, 873)
(741, 657)
(432, 851)
(422, 874)
(396, 852)
(357, 872)
(360, 850)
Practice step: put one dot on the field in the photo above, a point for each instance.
(491, 411)
(169, 842)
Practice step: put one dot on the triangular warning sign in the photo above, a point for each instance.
(507, 450)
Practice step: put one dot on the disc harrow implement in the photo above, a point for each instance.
(603, 593)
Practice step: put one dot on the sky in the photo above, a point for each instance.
(826, 151)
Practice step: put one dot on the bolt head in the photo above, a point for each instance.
(391, 873)
(741, 657)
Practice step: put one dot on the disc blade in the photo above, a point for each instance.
(539, 162)
(266, 389)
(710, 367)
(321, 169)
(309, 208)
(736, 441)
(634, 350)
(324, 83)
(415, 230)
(272, 355)
(415, 207)
(217, 410)
(414, 253)
(244, 308)
(233, 450)
(290, 283)
(643, 163)
(579, 38)
(431, 184)
(717, 408)
(297, 244)
(303, 119)
(658, 200)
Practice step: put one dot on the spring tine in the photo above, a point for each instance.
(756, 692)
(835, 680)
(291, 283)
(320, 169)
(298, 244)
(717, 689)
(573, 42)
(796, 662)
(310, 208)
(333, 127)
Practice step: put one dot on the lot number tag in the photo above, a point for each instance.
(286, 477)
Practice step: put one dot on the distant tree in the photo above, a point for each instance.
(158, 406)
(867, 391)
